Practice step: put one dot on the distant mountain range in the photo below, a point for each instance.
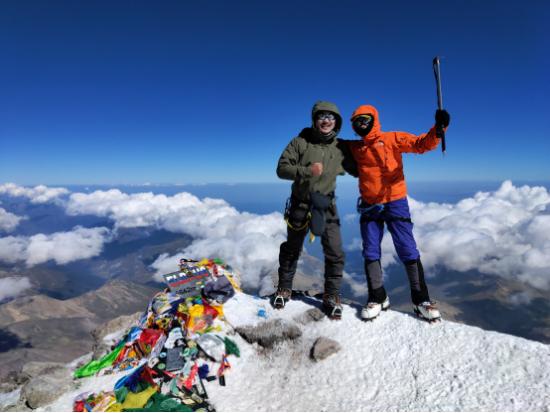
(41, 328)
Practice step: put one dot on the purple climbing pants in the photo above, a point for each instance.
(397, 217)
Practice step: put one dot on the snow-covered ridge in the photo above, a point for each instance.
(396, 362)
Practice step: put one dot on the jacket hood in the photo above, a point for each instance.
(369, 110)
(324, 106)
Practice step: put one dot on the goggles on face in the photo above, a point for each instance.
(325, 116)
(362, 121)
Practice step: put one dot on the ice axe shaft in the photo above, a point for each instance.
(437, 73)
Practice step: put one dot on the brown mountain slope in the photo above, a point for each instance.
(40, 328)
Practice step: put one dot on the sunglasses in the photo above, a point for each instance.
(362, 121)
(325, 116)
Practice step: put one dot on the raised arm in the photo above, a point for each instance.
(407, 142)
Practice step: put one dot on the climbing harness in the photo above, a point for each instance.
(288, 208)
(376, 213)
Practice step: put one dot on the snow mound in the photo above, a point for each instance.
(397, 362)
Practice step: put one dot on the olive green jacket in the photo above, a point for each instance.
(306, 149)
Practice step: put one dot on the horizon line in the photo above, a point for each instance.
(278, 182)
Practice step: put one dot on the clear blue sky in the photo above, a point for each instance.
(196, 92)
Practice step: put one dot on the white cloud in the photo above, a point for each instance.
(11, 287)
(248, 242)
(62, 247)
(37, 195)
(356, 244)
(351, 218)
(519, 299)
(357, 284)
(13, 249)
(8, 221)
(502, 232)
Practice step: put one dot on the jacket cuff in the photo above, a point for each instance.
(304, 171)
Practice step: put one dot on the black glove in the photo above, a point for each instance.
(442, 118)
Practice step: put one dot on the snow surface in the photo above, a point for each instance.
(397, 362)
(9, 399)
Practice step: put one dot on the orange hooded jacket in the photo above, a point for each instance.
(379, 161)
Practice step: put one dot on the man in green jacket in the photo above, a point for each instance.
(313, 160)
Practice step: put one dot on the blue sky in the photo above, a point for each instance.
(192, 92)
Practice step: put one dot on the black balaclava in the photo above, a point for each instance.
(362, 120)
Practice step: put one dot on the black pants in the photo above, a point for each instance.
(331, 240)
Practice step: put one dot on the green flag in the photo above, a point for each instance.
(95, 365)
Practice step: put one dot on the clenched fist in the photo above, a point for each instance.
(316, 169)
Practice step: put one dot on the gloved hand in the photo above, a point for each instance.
(442, 118)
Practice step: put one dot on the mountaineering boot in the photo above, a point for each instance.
(427, 311)
(332, 306)
(372, 309)
(282, 296)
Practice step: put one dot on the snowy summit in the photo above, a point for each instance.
(397, 362)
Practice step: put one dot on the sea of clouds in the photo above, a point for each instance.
(250, 242)
(504, 232)
(61, 247)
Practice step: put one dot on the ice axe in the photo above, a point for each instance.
(440, 131)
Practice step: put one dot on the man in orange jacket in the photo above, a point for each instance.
(384, 200)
